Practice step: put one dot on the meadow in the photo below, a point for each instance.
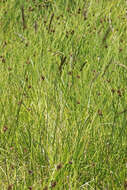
(63, 95)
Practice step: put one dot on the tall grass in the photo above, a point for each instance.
(63, 74)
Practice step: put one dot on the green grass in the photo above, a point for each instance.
(63, 95)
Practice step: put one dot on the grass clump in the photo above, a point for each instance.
(63, 95)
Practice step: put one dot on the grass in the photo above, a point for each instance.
(63, 94)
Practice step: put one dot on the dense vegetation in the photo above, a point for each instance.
(63, 94)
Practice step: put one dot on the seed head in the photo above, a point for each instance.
(59, 166)
(53, 184)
